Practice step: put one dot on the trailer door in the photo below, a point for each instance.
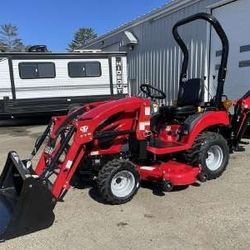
(235, 19)
(5, 82)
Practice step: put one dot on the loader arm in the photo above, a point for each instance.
(87, 128)
(28, 194)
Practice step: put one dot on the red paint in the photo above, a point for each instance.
(177, 173)
(209, 119)
(129, 115)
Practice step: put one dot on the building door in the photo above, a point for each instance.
(235, 19)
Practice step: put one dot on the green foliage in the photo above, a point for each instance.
(9, 40)
(81, 36)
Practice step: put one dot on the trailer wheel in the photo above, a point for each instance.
(211, 151)
(118, 181)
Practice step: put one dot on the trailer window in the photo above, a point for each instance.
(37, 70)
(84, 69)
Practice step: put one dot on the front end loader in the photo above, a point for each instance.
(26, 204)
(120, 143)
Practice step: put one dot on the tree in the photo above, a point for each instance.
(2, 47)
(9, 39)
(81, 36)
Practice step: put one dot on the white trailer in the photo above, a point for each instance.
(47, 83)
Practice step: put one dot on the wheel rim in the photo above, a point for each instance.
(214, 158)
(122, 184)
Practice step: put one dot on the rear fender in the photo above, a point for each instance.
(203, 122)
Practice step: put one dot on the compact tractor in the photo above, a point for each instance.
(121, 143)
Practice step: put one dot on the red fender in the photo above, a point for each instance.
(207, 120)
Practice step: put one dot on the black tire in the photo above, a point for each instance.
(206, 143)
(106, 177)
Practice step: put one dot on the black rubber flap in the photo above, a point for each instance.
(26, 204)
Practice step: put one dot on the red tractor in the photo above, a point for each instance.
(123, 142)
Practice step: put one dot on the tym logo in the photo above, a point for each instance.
(84, 129)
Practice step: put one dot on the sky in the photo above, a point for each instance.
(53, 22)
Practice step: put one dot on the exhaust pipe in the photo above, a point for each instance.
(26, 203)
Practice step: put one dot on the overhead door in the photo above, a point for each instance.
(235, 19)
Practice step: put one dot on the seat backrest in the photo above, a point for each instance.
(191, 92)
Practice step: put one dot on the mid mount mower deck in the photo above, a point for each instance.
(121, 143)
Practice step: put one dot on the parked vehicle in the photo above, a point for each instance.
(122, 142)
(43, 83)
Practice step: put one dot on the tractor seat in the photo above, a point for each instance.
(190, 96)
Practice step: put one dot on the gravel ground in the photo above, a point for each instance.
(215, 215)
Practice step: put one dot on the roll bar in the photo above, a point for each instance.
(225, 50)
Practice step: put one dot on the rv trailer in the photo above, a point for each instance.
(43, 83)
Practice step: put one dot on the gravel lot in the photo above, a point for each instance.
(215, 215)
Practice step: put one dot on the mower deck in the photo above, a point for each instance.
(176, 173)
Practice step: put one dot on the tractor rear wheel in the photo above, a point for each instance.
(118, 181)
(211, 151)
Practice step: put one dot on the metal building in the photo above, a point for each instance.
(154, 57)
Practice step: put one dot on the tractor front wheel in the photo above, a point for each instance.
(118, 181)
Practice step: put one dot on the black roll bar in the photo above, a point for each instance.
(225, 50)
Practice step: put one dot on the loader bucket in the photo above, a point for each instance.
(26, 204)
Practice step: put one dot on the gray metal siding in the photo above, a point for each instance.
(157, 58)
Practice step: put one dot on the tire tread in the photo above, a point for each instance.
(103, 180)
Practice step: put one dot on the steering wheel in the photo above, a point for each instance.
(148, 89)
